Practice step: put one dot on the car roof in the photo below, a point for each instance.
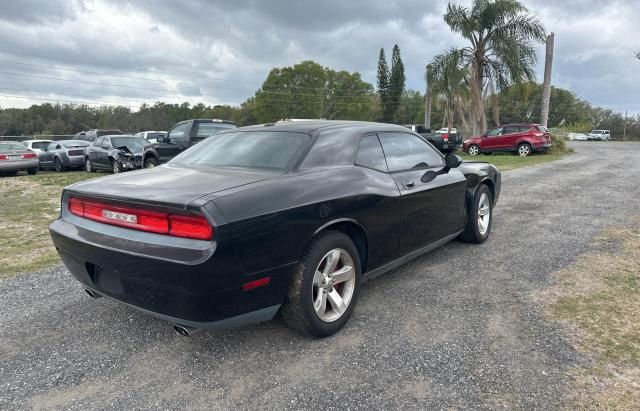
(315, 126)
(36, 141)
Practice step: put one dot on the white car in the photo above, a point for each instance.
(38, 146)
(445, 130)
(600, 134)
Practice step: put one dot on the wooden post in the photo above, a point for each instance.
(546, 90)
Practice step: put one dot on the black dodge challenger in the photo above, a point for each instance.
(288, 217)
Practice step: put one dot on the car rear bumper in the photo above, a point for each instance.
(542, 147)
(197, 285)
(19, 165)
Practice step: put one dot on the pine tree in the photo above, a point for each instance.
(396, 83)
(383, 83)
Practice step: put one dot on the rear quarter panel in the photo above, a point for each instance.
(272, 222)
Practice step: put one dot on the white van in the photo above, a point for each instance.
(600, 134)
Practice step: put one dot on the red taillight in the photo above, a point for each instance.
(3, 157)
(29, 155)
(445, 137)
(176, 225)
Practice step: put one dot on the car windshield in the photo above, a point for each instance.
(101, 133)
(12, 146)
(260, 149)
(75, 143)
(132, 143)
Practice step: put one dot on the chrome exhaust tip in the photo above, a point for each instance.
(184, 331)
(92, 293)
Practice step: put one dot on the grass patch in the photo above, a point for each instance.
(599, 298)
(28, 204)
(509, 161)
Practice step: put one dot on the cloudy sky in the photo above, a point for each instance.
(131, 52)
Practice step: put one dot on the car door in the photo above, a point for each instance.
(431, 209)
(491, 140)
(177, 141)
(93, 152)
(103, 153)
(46, 156)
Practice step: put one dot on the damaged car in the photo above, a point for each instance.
(116, 153)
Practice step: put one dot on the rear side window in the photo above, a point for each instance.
(370, 154)
(510, 130)
(524, 129)
(39, 145)
(98, 141)
(407, 151)
(52, 146)
(330, 149)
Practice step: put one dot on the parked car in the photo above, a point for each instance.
(182, 136)
(92, 135)
(287, 218)
(152, 136)
(36, 146)
(522, 139)
(64, 154)
(15, 157)
(445, 142)
(116, 153)
(604, 135)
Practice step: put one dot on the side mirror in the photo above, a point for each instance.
(161, 139)
(428, 176)
(452, 161)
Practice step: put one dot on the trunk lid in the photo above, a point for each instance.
(170, 185)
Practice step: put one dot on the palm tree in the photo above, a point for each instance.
(448, 77)
(502, 37)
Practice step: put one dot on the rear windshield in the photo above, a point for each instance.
(12, 146)
(75, 143)
(208, 129)
(40, 145)
(259, 149)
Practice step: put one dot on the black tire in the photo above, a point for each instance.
(116, 167)
(150, 162)
(472, 232)
(473, 148)
(32, 171)
(59, 167)
(88, 167)
(10, 173)
(524, 149)
(297, 311)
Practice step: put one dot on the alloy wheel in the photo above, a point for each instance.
(484, 214)
(474, 150)
(333, 285)
(87, 165)
(58, 165)
(524, 150)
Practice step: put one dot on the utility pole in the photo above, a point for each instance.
(624, 129)
(427, 101)
(546, 90)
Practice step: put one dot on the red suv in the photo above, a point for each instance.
(520, 138)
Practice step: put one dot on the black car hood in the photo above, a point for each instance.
(169, 184)
(135, 150)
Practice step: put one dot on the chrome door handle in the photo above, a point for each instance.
(408, 184)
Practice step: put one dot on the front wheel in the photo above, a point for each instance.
(473, 150)
(479, 217)
(150, 162)
(324, 288)
(88, 166)
(116, 166)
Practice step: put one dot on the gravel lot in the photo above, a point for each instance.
(456, 328)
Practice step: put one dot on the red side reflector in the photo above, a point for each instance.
(188, 226)
(255, 284)
(29, 155)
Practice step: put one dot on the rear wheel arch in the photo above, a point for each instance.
(352, 229)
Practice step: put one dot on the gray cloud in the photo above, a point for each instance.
(220, 52)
